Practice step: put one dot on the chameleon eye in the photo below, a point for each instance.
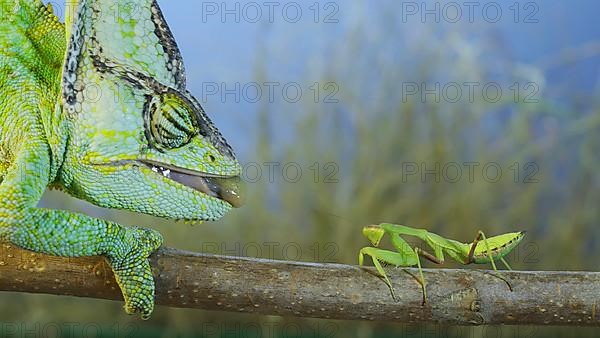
(170, 122)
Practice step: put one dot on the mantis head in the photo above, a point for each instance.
(374, 233)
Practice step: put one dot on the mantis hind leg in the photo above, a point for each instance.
(481, 236)
(505, 263)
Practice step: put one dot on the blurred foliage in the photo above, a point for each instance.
(363, 146)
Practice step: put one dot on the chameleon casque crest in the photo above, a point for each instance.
(143, 143)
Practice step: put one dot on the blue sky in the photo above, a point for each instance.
(225, 50)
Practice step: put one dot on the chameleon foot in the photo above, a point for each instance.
(132, 269)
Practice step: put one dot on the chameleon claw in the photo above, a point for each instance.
(132, 269)
(145, 310)
(145, 314)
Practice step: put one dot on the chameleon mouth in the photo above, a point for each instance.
(226, 188)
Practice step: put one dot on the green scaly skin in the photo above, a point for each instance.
(103, 114)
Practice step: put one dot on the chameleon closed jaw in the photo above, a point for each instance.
(228, 189)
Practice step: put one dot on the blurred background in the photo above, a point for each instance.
(450, 116)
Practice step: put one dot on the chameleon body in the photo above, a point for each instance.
(100, 109)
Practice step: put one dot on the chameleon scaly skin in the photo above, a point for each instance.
(105, 115)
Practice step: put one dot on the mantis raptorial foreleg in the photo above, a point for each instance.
(390, 257)
(405, 256)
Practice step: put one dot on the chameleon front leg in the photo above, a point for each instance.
(68, 234)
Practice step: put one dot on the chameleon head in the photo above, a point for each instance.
(374, 233)
(138, 140)
(159, 154)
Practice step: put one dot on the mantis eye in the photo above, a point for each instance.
(169, 122)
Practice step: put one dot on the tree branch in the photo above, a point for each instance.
(191, 280)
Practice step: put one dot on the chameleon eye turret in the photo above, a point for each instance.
(169, 122)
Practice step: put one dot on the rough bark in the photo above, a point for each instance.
(334, 291)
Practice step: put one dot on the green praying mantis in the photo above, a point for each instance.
(493, 249)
